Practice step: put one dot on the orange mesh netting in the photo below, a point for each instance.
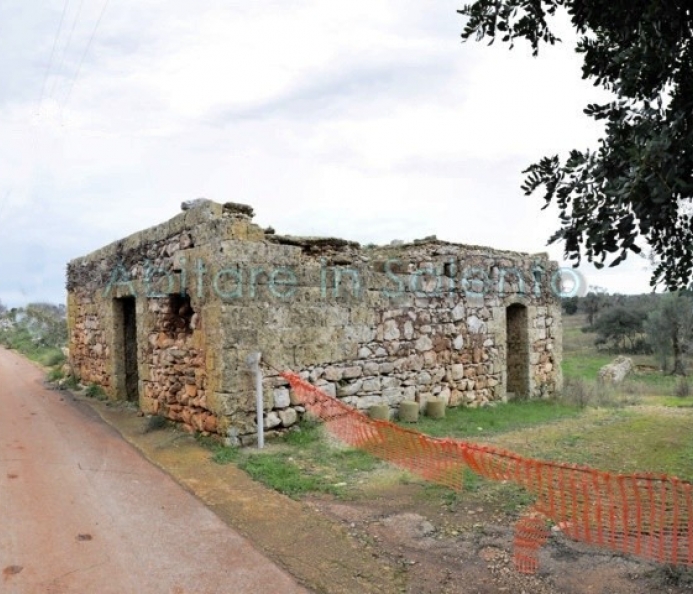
(647, 515)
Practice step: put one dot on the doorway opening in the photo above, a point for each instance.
(126, 336)
(517, 351)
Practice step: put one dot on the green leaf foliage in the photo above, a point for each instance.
(636, 186)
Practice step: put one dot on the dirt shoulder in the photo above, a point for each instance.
(391, 534)
(317, 550)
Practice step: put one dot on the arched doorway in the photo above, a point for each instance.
(517, 349)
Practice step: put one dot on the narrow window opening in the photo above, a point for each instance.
(179, 315)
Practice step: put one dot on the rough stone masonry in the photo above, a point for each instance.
(166, 317)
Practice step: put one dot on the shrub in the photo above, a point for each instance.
(631, 392)
(95, 391)
(155, 422)
(578, 392)
(682, 389)
(53, 358)
(71, 382)
(55, 374)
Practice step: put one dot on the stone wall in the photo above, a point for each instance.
(369, 325)
(89, 345)
(176, 377)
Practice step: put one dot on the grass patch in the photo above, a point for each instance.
(95, 391)
(71, 382)
(302, 461)
(50, 356)
(226, 455)
(467, 422)
(280, 472)
(673, 402)
(682, 389)
(504, 496)
(585, 366)
(304, 434)
(22, 341)
(55, 374)
(351, 460)
(644, 439)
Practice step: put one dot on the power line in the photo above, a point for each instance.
(43, 90)
(50, 61)
(84, 55)
(67, 44)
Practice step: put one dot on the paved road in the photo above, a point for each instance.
(81, 512)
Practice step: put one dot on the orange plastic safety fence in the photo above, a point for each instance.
(647, 515)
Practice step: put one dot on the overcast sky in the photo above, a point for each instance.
(368, 120)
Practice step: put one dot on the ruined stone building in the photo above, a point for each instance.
(166, 317)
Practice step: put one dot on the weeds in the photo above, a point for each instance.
(673, 575)
(303, 434)
(55, 374)
(95, 391)
(155, 422)
(279, 472)
(226, 455)
(578, 392)
(71, 383)
(51, 357)
(583, 393)
(682, 388)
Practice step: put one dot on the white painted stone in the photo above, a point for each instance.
(281, 398)
(458, 312)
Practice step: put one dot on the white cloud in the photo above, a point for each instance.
(370, 121)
